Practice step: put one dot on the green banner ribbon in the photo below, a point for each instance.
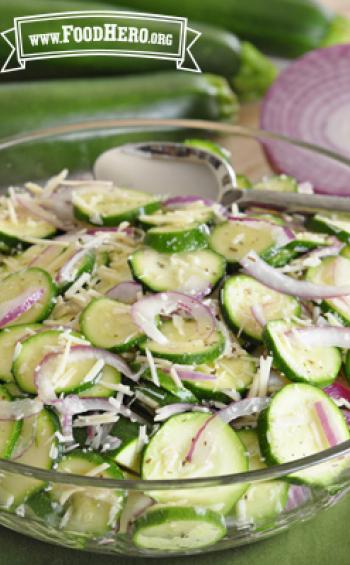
(113, 33)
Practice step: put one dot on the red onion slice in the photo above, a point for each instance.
(172, 409)
(19, 409)
(45, 387)
(194, 376)
(175, 201)
(309, 101)
(244, 407)
(329, 432)
(196, 438)
(322, 336)
(127, 292)
(13, 309)
(146, 310)
(297, 496)
(337, 391)
(67, 272)
(258, 314)
(254, 266)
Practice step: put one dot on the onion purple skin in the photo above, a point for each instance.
(305, 103)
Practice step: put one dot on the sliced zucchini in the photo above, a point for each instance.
(10, 430)
(108, 324)
(189, 272)
(215, 450)
(67, 376)
(335, 223)
(152, 397)
(263, 501)
(303, 242)
(325, 274)
(128, 454)
(315, 365)
(19, 283)
(111, 206)
(177, 238)
(175, 528)
(193, 212)
(104, 386)
(231, 374)
(278, 183)
(92, 511)
(290, 428)
(185, 345)
(166, 382)
(240, 293)
(9, 338)
(14, 233)
(234, 239)
(39, 431)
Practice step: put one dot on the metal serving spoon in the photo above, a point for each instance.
(154, 167)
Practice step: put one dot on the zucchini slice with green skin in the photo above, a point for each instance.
(13, 234)
(108, 324)
(318, 366)
(290, 428)
(74, 377)
(303, 242)
(263, 501)
(9, 338)
(177, 238)
(325, 274)
(185, 346)
(231, 374)
(194, 212)
(42, 453)
(175, 528)
(187, 272)
(152, 397)
(179, 450)
(278, 183)
(19, 283)
(85, 265)
(335, 223)
(10, 430)
(89, 511)
(128, 454)
(104, 386)
(111, 206)
(182, 394)
(234, 239)
(240, 293)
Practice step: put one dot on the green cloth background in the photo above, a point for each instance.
(325, 540)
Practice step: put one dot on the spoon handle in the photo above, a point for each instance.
(285, 201)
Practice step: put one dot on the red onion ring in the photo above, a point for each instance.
(258, 314)
(179, 200)
(170, 410)
(322, 336)
(196, 438)
(309, 101)
(126, 292)
(337, 391)
(194, 375)
(66, 272)
(145, 311)
(329, 432)
(13, 309)
(254, 266)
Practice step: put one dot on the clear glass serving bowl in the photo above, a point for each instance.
(35, 157)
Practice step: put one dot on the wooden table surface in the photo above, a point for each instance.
(251, 160)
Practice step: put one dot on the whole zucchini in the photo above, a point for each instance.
(283, 27)
(216, 51)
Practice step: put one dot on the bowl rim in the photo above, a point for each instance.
(268, 473)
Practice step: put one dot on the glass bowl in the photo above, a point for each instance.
(35, 157)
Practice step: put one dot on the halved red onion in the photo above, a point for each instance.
(146, 310)
(196, 438)
(13, 309)
(254, 266)
(309, 101)
(20, 408)
(170, 410)
(45, 387)
(31, 206)
(322, 336)
(329, 431)
(67, 272)
(126, 291)
(258, 314)
(244, 407)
